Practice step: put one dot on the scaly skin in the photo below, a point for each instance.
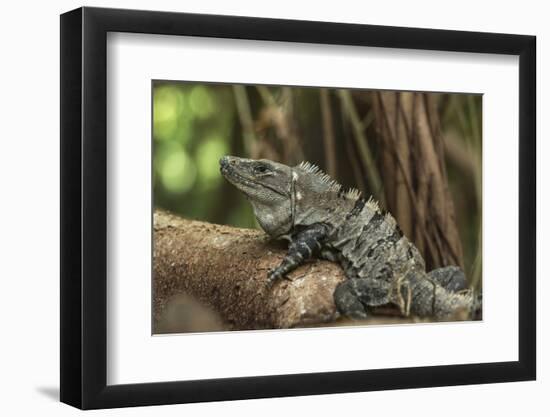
(303, 205)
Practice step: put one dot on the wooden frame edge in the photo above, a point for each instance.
(83, 208)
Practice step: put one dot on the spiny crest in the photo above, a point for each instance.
(373, 204)
(352, 193)
(323, 177)
(389, 219)
(309, 167)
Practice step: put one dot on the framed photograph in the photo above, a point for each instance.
(257, 208)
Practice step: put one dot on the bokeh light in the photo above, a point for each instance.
(177, 171)
(209, 151)
(168, 106)
(201, 102)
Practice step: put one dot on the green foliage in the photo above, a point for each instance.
(193, 126)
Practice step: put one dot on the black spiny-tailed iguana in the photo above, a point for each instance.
(319, 218)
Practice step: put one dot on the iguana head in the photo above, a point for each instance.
(284, 197)
(268, 187)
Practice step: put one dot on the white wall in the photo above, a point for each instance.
(29, 173)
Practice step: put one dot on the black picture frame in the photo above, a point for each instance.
(84, 207)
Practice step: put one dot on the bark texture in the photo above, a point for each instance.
(415, 178)
(225, 268)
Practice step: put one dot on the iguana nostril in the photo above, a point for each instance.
(224, 161)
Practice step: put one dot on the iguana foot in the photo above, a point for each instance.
(274, 275)
(347, 302)
(449, 277)
(302, 247)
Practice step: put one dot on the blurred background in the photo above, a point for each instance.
(418, 154)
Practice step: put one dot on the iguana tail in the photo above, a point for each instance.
(435, 295)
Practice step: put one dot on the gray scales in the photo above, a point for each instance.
(319, 218)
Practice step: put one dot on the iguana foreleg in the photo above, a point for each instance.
(303, 246)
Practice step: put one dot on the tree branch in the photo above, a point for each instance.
(225, 268)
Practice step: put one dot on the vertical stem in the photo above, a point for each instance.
(328, 132)
(245, 116)
(373, 177)
(266, 95)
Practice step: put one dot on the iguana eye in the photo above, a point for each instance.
(260, 169)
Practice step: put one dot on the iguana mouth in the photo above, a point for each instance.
(232, 175)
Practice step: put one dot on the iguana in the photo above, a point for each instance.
(320, 218)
